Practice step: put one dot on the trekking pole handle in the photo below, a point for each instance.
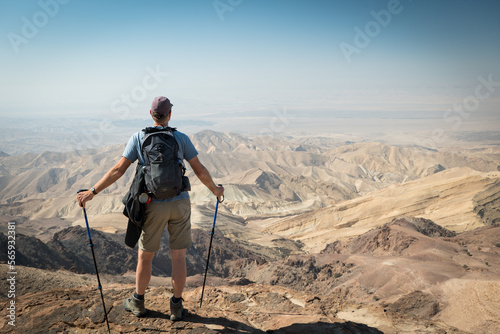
(83, 204)
(222, 197)
(86, 220)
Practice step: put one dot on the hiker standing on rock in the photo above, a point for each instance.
(168, 202)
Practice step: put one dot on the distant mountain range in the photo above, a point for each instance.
(322, 233)
(262, 175)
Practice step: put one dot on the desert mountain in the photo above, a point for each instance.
(459, 199)
(252, 308)
(315, 235)
(68, 250)
(336, 190)
(262, 176)
(401, 237)
(395, 278)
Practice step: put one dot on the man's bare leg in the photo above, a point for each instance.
(135, 304)
(179, 271)
(143, 273)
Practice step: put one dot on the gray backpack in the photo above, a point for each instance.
(164, 170)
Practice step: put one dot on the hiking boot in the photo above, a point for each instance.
(176, 310)
(135, 306)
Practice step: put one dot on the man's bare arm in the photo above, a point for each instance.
(111, 177)
(204, 175)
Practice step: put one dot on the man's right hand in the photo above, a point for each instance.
(219, 192)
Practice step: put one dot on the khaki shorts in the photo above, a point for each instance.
(177, 215)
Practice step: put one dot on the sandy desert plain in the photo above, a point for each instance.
(326, 227)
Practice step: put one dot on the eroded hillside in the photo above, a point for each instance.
(315, 235)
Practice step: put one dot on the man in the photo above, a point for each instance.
(175, 213)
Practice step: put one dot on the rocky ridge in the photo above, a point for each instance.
(393, 278)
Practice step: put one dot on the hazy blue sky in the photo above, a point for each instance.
(96, 57)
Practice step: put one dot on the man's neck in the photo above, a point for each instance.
(161, 124)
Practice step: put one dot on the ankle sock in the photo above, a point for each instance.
(138, 297)
(176, 300)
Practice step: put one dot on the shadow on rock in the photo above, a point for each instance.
(156, 315)
(229, 326)
(324, 327)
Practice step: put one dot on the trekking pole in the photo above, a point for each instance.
(91, 244)
(210, 246)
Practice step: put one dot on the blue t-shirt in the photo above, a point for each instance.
(187, 151)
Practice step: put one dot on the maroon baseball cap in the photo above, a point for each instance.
(161, 105)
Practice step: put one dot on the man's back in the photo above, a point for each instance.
(186, 151)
